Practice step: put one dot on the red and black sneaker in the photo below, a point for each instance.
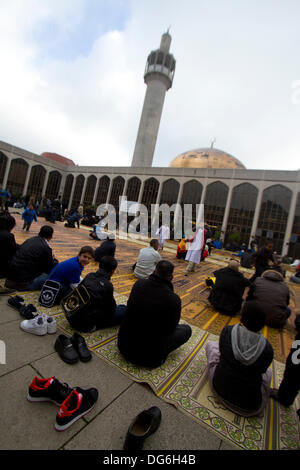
(48, 390)
(78, 404)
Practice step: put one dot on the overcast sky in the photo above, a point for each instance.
(71, 78)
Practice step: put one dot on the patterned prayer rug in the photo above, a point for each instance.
(183, 381)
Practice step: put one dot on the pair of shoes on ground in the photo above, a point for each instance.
(72, 349)
(27, 311)
(73, 403)
(145, 424)
(40, 325)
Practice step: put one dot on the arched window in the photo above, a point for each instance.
(241, 213)
(273, 216)
(36, 181)
(150, 193)
(169, 192)
(133, 189)
(192, 192)
(102, 190)
(116, 192)
(215, 203)
(90, 190)
(294, 247)
(3, 163)
(53, 185)
(17, 176)
(67, 190)
(77, 191)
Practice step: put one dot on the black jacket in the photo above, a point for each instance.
(107, 248)
(262, 257)
(33, 258)
(8, 248)
(237, 383)
(227, 293)
(152, 313)
(102, 305)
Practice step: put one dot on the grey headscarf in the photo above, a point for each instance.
(247, 346)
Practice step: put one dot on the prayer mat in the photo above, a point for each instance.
(183, 382)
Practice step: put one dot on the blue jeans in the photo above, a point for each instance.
(38, 282)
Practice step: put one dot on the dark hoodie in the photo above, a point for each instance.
(245, 356)
(273, 295)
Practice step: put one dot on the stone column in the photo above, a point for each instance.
(178, 210)
(27, 180)
(45, 182)
(141, 192)
(84, 189)
(4, 183)
(62, 185)
(290, 222)
(109, 189)
(96, 191)
(226, 213)
(256, 214)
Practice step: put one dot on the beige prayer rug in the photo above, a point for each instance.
(183, 381)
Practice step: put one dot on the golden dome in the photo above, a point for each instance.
(206, 158)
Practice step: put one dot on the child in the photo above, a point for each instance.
(181, 249)
(28, 216)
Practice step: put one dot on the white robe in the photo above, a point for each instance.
(164, 234)
(195, 249)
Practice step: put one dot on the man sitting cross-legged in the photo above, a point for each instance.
(101, 311)
(239, 370)
(32, 262)
(150, 329)
(147, 260)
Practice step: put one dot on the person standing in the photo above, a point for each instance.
(193, 255)
(164, 234)
(28, 216)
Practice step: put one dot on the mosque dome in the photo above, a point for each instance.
(206, 158)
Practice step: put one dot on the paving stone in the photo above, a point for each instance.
(176, 432)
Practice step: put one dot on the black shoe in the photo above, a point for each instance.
(145, 424)
(81, 348)
(48, 390)
(16, 302)
(65, 349)
(28, 311)
(78, 404)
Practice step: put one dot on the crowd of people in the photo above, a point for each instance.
(149, 325)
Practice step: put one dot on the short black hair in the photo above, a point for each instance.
(108, 263)
(7, 221)
(154, 241)
(87, 249)
(46, 232)
(164, 269)
(253, 317)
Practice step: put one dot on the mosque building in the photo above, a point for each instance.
(259, 204)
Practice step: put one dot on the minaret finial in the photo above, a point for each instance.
(212, 144)
(168, 29)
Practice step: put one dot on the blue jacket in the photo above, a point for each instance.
(28, 215)
(67, 272)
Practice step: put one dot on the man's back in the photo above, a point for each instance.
(147, 260)
(153, 312)
(107, 248)
(32, 258)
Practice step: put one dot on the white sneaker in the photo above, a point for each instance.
(51, 325)
(36, 326)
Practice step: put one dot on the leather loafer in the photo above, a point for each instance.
(65, 349)
(81, 348)
(145, 424)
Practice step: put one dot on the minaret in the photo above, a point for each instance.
(159, 73)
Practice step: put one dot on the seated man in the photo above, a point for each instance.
(8, 245)
(239, 370)
(32, 263)
(246, 259)
(147, 260)
(101, 311)
(107, 248)
(97, 233)
(227, 293)
(150, 329)
(273, 295)
(68, 273)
